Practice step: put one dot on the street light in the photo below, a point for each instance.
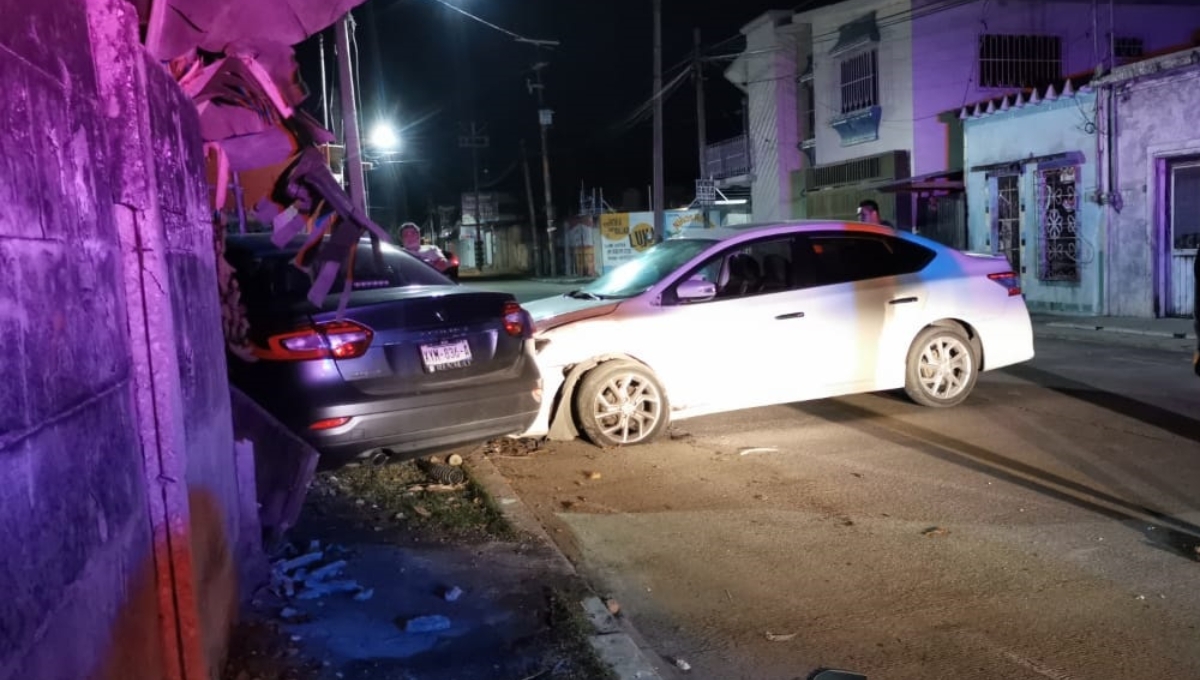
(384, 137)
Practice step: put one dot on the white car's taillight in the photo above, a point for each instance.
(1009, 280)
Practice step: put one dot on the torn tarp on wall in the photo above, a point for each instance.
(236, 61)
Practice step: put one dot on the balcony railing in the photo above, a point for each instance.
(728, 158)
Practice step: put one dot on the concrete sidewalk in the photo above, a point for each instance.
(1175, 329)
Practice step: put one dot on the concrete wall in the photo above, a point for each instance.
(1155, 123)
(945, 53)
(114, 418)
(768, 75)
(895, 77)
(1050, 127)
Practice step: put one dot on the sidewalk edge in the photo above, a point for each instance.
(625, 650)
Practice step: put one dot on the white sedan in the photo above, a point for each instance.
(717, 320)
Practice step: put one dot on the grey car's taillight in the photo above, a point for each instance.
(329, 340)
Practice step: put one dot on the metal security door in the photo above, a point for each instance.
(1184, 238)
(1006, 225)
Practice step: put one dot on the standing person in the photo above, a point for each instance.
(868, 211)
(410, 238)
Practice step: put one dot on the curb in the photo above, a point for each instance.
(617, 643)
(1125, 331)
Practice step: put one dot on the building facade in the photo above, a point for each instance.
(1030, 201)
(1152, 187)
(868, 91)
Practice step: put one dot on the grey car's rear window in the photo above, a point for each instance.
(273, 275)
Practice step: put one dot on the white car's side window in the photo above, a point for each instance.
(754, 268)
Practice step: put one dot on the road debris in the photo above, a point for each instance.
(682, 665)
(422, 511)
(780, 637)
(291, 578)
(593, 475)
(757, 449)
(454, 459)
(452, 594)
(935, 531)
(426, 624)
(508, 447)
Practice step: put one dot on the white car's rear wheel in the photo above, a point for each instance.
(942, 367)
(621, 404)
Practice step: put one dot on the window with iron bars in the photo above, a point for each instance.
(860, 81)
(1057, 212)
(1128, 48)
(1019, 60)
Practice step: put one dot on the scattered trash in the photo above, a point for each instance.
(679, 434)
(364, 595)
(454, 460)
(1141, 597)
(856, 474)
(683, 665)
(593, 475)
(760, 497)
(359, 502)
(613, 606)
(441, 473)
(758, 449)
(935, 531)
(452, 594)
(398, 516)
(780, 637)
(427, 624)
(289, 613)
(517, 448)
(422, 511)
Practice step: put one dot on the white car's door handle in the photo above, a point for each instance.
(902, 301)
(793, 315)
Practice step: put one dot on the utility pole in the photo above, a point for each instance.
(475, 141)
(536, 258)
(659, 198)
(353, 170)
(545, 118)
(324, 84)
(701, 122)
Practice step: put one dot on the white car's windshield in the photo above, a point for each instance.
(645, 270)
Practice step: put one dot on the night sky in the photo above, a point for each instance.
(430, 69)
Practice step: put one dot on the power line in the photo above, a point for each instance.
(512, 34)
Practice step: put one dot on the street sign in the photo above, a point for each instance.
(706, 191)
(489, 207)
(546, 116)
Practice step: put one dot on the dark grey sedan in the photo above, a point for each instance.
(416, 364)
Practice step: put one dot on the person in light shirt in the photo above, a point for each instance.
(410, 239)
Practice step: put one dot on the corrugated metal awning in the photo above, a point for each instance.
(858, 33)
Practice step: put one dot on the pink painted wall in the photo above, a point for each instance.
(945, 53)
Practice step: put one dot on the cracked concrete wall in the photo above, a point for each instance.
(82, 504)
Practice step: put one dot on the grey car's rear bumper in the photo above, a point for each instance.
(421, 428)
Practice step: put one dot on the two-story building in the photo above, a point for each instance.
(859, 99)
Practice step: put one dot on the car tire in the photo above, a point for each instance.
(620, 403)
(943, 366)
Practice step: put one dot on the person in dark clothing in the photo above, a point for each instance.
(868, 211)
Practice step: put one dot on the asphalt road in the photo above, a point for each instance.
(1045, 529)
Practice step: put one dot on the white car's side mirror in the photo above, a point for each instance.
(695, 290)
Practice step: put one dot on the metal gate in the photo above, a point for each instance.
(1006, 225)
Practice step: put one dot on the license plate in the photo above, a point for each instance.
(446, 355)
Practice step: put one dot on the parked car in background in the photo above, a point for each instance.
(416, 364)
(722, 319)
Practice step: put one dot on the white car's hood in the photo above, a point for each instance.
(555, 311)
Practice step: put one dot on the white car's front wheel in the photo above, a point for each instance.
(942, 367)
(620, 403)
